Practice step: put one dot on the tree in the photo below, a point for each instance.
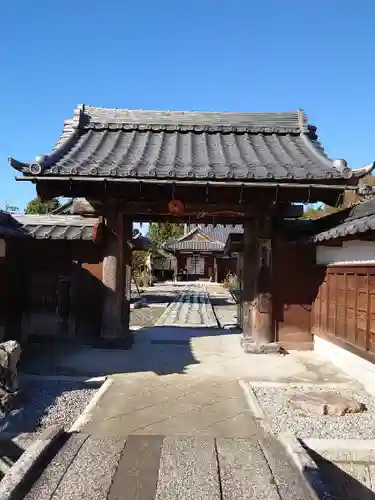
(315, 212)
(38, 206)
(10, 208)
(161, 232)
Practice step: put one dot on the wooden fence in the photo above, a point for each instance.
(344, 310)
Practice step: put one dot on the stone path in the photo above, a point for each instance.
(191, 308)
(174, 423)
(148, 467)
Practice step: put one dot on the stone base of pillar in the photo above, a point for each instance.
(251, 347)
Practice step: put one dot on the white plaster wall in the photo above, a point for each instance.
(358, 368)
(351, 252)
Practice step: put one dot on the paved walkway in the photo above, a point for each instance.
(190, 309)
(174, 423)
(148, 467)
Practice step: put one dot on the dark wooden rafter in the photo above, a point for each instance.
(205, 193)
(200, 202)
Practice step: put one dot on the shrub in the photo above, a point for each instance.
(231, 281)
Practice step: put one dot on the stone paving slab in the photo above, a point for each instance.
(190, 308)
(137, 472)
(144, 467)
(90, 475)
(188, 469)
(244, 471)
(188, 406)
(286, 476)
(48, 483)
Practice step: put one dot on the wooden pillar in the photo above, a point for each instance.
(247, 292)
(215, 270)
(239, 272)
(258, 327)
(116, 277)
(127, 267)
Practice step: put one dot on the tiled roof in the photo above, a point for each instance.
(218, 232)
(41, 227)
(100, 142)
(348, 222)
(195, 246)
(57, 227)
(217, 235)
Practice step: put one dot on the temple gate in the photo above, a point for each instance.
(227, 168)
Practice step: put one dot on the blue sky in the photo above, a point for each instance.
(214, 55)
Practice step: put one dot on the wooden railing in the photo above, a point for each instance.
(344, 310)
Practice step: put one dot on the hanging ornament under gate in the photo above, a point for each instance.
(176, 207)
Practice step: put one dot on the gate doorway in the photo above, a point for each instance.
(219, 168)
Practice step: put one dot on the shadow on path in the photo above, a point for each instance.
(340, 485)
(158, 349)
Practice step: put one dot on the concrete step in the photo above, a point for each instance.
(148, 467)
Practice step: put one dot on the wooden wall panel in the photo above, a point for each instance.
(344, 309)
(295, 287)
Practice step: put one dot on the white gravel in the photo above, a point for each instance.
(282, 417)
(47, 402)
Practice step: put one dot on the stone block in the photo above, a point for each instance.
(327, 403)
(10, 352)
(251, 347)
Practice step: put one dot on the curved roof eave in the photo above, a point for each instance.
(86, 115)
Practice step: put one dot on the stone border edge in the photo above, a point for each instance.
(86, 415)
(95, 381)
(25, 466)
(306, 466)
(318, 445)
(253, 404)
(304, 463)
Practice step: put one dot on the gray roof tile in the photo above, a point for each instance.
(144, 144)
(54, 227)
(218, 232)
(57, 227)
(195, 246)
(217, 235)
(348, 222)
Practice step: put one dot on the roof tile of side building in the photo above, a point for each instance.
(119, 143)
(348, 222)
(56, 227)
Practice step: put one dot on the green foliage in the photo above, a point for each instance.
(37, 206)
(161, 232)
(315, 212)
(139, 269)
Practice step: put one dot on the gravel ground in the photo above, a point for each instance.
(283, 418)
(146, 316)
(44, 403)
